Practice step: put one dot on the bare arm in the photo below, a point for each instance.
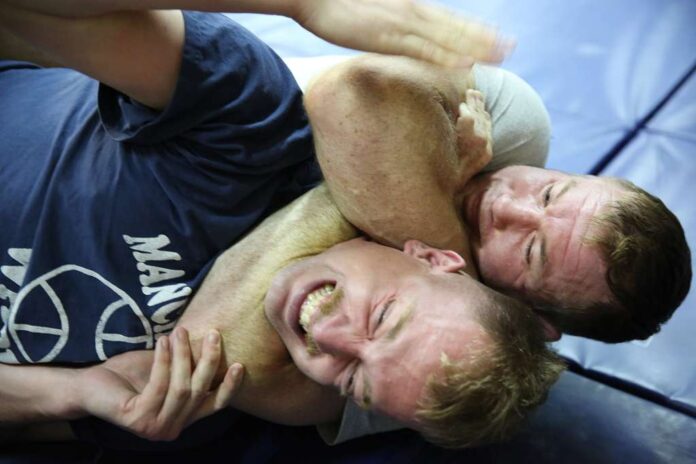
(154, 395)
(135, 46)
(395, 149)
(137, 53)
(30, 404)
(14, 48)
(37, 394)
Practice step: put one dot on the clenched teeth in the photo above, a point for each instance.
(312, 303)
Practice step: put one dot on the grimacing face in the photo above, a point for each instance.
(527, 227)
(374, 321)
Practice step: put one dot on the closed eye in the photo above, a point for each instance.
(383, 312)
(347, 388)
(547, 195)
(351, 382)
(528, 251)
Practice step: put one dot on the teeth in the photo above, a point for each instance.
(312, 303)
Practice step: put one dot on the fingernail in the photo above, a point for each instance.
(213, 336)
(163, 342)
(466, 62)
(236, 371)
(505, 46)
(181, 333)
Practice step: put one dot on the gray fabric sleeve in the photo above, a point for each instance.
(355, 423)
(521, 125)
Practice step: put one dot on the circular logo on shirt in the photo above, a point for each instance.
(48, 318)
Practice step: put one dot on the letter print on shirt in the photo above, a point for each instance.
(75, 314)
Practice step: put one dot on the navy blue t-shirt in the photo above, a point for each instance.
(112, 213)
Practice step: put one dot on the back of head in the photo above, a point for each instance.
(648, 270)
(484, 398)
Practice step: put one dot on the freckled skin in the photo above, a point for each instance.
(386, 137)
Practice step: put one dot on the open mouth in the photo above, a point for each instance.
(308, 305)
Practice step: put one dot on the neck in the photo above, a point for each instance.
(232, 295)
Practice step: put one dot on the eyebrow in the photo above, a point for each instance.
(542, 242)
(570, 184)
(403, 319)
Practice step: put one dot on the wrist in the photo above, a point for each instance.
(73, 404)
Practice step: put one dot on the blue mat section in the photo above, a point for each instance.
(662, 160)
(677, 119)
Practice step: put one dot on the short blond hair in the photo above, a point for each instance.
(484, 398)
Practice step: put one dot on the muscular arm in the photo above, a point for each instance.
(387, 137)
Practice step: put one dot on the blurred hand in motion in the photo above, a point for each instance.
(155, 396)
(404, 27)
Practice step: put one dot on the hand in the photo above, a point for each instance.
(404, 27)
(171, 399)
(474, 136)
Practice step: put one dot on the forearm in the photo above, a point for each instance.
(13, 48)
(388, 153)
(83, 8)
(38, 394)
(137, 53)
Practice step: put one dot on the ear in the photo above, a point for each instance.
(435, 258)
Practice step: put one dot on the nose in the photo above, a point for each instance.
(515, 212)
(334, 335)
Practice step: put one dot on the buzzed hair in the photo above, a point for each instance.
(648, 270)
(485, 397)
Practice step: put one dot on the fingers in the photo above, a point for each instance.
(174, 396)
(155, 391)
(222, 396)
(482, 119)
(207, 365)
(474, 137)
(189, 398)
(457, 41)
(425, 49)
(180, 389)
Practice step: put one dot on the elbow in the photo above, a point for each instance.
(344, 87)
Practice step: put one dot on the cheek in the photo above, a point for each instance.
(322, 369)
(399, 397)
(499, 263)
